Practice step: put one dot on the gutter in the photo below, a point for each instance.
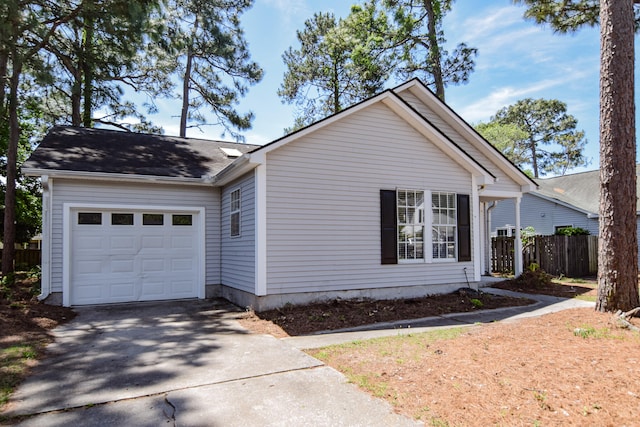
(596, 216)
(45, 251)
(122, 177)
(238, 168)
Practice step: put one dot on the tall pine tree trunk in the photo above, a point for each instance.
(186, 83)
(87, 89)
(618, 253)
(184, 115)
(4, 61)
(9, 238)
(435, 58)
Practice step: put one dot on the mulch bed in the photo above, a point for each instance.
(339, 313)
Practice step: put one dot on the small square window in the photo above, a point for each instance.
(121, 219)
(152, 219)
(181, 220)
(89, 218)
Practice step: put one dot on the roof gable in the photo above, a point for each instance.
(99, 151)
(466, 131)
(413, 118)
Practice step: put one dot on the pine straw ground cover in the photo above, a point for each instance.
(24, 329)
(575, 367)
(568, 368)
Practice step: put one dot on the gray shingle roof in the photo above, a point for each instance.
(107, 151)
(581, 190)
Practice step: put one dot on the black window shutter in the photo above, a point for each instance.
(464, 228)
(388, 225)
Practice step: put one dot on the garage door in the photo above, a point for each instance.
(122, 256)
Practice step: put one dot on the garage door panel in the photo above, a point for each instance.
(153, 242)
(122, 263)
(84, 243)
(152, 289)
(122, 266)
(89, 266)
(181, 287)
(153, 265)
(89, 292)
(119, 243)
(182, 265)
(182, 242)
(124, 289)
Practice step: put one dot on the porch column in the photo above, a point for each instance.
(517, 256)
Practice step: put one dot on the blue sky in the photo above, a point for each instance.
(516, 59)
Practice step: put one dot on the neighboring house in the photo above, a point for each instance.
(384, 199)
(564, 201)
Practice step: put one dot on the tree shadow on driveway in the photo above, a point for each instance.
(112, 353)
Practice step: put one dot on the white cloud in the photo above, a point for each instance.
(289, 10)
(485, 24)
(487, 106)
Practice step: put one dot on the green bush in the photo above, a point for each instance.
(572, 231)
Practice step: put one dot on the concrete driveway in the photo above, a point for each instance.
(185, 363)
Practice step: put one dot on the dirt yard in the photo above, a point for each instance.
(574, 367)
(569, 368)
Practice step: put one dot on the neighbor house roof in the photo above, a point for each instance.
(78, 150)
(580, 190)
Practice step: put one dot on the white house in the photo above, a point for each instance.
(385, 199)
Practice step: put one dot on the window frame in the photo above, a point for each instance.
(557, 228)
(235, 213)
(182, 220)
(83, 216)
(122, 219)
(454, 227)
(422, 220)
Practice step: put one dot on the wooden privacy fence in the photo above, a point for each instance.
(26, 258)
(572, 256)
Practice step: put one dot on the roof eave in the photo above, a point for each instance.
(122, 177)
(235, 170)
(565, 204)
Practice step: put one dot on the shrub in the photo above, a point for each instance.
(533, 278)
(572, 231)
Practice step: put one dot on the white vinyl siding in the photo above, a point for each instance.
(323, 204)
(106, 193)
(238, 253)
(504, 183)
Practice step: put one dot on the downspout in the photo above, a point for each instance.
(487, 219)
(45, 250)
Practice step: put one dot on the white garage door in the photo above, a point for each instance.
(122, 256)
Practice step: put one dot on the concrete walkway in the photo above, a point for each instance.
(190, 364)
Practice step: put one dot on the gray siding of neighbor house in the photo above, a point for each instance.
(323, 205)
(238, 253)
(504, 182)
(541, 214)
(114, 193)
